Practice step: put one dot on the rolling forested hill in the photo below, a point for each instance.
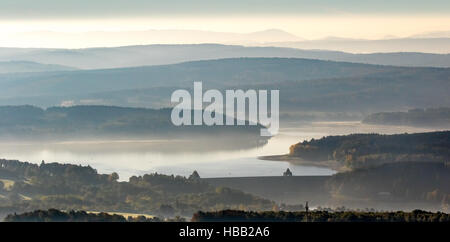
(97, 122)
(304, 84)
(67, 187)
(142, 55)
(29, 66)
(318, 216)
(369, 150)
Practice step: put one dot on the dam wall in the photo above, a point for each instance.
(281, 189)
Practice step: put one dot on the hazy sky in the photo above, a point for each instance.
(119, 8)
(308, 19)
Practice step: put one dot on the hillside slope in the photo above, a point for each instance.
(304, 84)
(139, 55)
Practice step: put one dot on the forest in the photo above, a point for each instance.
(304, 84)
(399, 185)
(320, 216)
(26, 187)
(99, 122)
(369, 150)
(416, 216)
(402, 171)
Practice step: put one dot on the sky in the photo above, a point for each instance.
(21, 9)
(307, 19)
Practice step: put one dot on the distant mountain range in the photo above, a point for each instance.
(29, 66)
(128, 56)
(120, 38)
(304, 84)
(432, 42)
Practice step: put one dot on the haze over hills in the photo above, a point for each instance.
(214, 73)
(128, 56)
(429, 42)
(102, 122)
(335, 109)
(411, 44)
(29, 66)
(304, 84)
(53, 39)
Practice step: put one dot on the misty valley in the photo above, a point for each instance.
(95, 153)
(356, 141)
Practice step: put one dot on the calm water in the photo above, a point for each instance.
(168, 157)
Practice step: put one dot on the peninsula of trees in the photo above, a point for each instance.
(369, 150)
(100, 122)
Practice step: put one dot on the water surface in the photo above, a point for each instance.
(137, 157)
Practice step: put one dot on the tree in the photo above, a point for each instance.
(113, 177)
(194, 176)
(287, 172)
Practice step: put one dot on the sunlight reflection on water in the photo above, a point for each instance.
(166, 156)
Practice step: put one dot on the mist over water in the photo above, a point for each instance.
(182, 157)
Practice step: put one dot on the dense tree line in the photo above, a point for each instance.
(319, 216)
(429, 117)
(368, 150)
(67, 187)
(54, 215)
(105, 121)
(401, 168)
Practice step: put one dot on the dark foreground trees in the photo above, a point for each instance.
(319, 216)
(54, 215)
